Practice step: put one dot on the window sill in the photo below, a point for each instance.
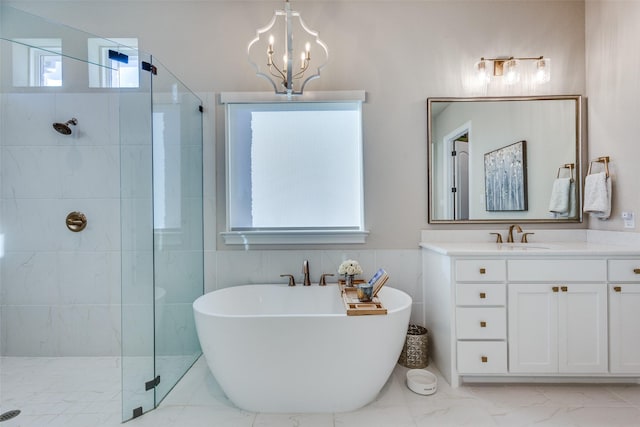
(294, 237)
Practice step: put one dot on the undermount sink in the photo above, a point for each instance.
(521, 246)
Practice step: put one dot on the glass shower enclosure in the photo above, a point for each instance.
(101, 246)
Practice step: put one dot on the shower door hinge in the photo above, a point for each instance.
(454, 190)
(137, 412)
(152, 384)
(148, 67)
(200, 108)
(454, 153)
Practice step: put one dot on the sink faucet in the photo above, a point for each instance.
(305, 271)
(510, 236)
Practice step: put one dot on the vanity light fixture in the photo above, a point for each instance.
(509, 68)
(288, 75)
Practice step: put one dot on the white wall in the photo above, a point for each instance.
(613, 87)
(399, 52)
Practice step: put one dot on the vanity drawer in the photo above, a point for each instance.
(481, 323)
(481, 294)
(485, 357)
(624, 270)
(557, 270)
(480, 270)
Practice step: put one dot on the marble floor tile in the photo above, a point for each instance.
(86, 392)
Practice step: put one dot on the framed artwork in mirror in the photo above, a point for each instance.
(505, 178)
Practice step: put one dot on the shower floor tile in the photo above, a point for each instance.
(85, 392)
(56, 390)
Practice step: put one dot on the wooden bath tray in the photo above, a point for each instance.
(356, 308)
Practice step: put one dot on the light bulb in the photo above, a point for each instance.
(543, 70)
(481, 71)
(511, 74)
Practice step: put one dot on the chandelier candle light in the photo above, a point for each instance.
(283, 77)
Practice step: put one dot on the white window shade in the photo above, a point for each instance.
(294, 172)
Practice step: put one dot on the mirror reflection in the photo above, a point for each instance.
(500, 159)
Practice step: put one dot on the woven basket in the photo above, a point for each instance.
(415, 353)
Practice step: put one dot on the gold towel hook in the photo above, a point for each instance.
(569, 166)
(604, 160)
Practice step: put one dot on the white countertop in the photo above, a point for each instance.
(530, 249)
(543, 243)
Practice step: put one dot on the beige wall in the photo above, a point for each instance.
(613, 86)
(399, 52)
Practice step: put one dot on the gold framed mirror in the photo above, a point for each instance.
(468, 183)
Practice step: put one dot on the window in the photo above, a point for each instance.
(294, 172)
(37, 62)
(113, 62)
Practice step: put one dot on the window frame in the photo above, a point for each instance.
(28, 56)
(293, 236)
(104, 72)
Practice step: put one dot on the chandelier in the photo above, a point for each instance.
(279, 64)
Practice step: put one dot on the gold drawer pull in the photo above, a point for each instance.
(483, 270)
(636, 270)
(483, 295)
(617, 288)
(564, 288)
(555, 289)
(484, 359)
(483, 324)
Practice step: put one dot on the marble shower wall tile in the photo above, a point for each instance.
(60, 290)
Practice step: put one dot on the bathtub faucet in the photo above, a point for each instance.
(305, 271)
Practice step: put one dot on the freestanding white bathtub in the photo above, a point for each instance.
(275, 348)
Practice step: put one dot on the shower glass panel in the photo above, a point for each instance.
(118, 294)
(177, 225)
(136, 218)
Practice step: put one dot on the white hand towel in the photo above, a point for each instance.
(572, 200)
(597, 195)
(559, 201)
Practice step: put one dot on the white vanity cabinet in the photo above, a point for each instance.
(557, 328)
(481, 317)
(557, 316)
(624, 309)
(502, 316)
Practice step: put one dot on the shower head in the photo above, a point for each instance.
(64, 128)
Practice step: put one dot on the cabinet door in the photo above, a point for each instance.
(533, 328)
(624, 328)
(582, 328)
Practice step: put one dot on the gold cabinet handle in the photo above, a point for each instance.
(636, 270)
(483, 324)
(483, 270)
(617, 288)
(555, 288)
(483, 295)
(484, 359)
(564, 288)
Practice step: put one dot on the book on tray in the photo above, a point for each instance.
(378, 280)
